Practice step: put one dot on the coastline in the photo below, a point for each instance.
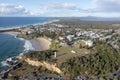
(27, 25)
(11, 33)
(40, 44)
(27, 47)
(36, 44)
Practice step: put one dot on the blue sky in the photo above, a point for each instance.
(60, 8)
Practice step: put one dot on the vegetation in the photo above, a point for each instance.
(77, 23)
(106, 60)
(54, 45)
(47, 33)
(30, 72)
(40, 56)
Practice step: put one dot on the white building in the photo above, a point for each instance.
(89, 43)
(61, 37)
(69, 37)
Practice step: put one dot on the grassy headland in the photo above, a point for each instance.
(78, 48)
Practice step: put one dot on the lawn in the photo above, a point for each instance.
(65, 52)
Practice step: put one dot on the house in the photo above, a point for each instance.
(61, 37)
(62, 43)
(88, 43)
(69, 37)
(73, 51)
(87, 51)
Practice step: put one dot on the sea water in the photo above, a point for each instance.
(11, 22)
(10, 45)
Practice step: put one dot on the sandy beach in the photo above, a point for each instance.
(11, 33)
(40, 44)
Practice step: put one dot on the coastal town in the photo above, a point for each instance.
(66, 43)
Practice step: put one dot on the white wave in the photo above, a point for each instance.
(22, 39)
(4, 63)
(28, 46)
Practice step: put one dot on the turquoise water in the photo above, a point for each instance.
(10, 46)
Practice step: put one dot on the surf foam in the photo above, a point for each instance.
(27, 47)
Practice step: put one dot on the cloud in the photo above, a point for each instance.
(63, 6)
(99, 7)
(14, 10)
(107, 5)
(59, 6)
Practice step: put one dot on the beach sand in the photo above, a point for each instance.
(11, 32)
(40, 44)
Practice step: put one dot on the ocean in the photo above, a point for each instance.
(11, 22)
(10, 45)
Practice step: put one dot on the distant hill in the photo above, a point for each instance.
(92, 18)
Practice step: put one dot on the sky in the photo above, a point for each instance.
(60, 8)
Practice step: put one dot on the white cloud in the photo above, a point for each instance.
(59, 6)
(14, 10)
(63, 6)
(98, 7)
(107, 5)
(63, 9)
